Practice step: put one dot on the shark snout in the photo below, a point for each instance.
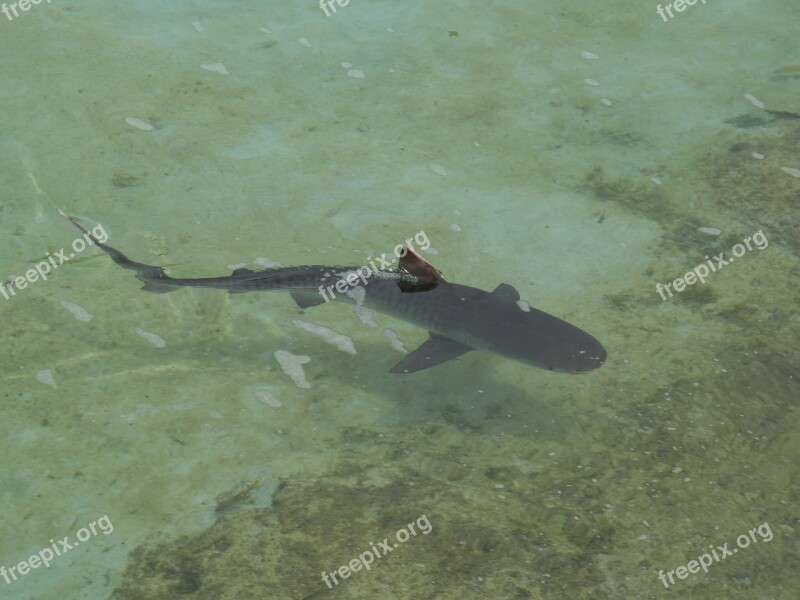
(588, 357)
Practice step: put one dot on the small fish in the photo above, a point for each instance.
(236, 495)
(786, 73)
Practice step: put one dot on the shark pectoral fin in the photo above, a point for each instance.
(506, 291)
(306, 299)
(436, 350)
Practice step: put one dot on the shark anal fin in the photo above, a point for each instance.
(436, 350)
(154, 278)
(152, 286)
(305, 299)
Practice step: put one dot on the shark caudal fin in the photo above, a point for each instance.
(153, 277)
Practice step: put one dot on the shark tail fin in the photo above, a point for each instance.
(154, 278)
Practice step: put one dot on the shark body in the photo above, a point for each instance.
(459, 318)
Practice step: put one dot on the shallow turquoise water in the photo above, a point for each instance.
(583, 153)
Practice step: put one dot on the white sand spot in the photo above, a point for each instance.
(357, 294)
(791, 171)
(394, 340)
(216, 68)
(265, 29)
(292, 366)
(304, 42)
(591, 82)
(341, 341)
(589, 55)
(754, 101)
(266, 263)
(710, 230)
(154, 339)
(365, 315)
(198, 26)
(139, 124)
(606, 102)
(757, 155)
(438, 169)
(454, 227)
(46, 377)
(78, 312)
(267, 398)
(346, 65)
(357, 73)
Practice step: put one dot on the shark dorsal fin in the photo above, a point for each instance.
(427, 277)
(436, 350)
(506, 291)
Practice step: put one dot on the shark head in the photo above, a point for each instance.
(535, 337)
(466, 318)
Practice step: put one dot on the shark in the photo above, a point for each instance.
(458, 318)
